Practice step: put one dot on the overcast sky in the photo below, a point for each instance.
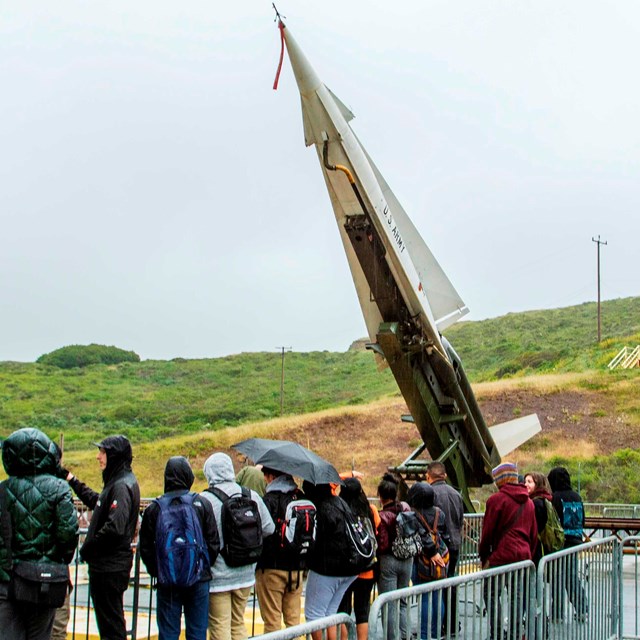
(156, 193)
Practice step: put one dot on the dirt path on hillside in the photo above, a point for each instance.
(578, 423)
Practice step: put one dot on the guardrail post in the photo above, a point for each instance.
(136, 593)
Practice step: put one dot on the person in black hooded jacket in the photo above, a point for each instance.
(194, 600)
(107, 546)
(568, 505)
(421, 498)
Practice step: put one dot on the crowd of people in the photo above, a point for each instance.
(260, 530)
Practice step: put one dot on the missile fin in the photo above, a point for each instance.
(344, 110)
(510, 435)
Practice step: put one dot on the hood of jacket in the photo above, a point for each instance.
(29, 452)
(541, 493)
(517, 492)
(284, 483)
(559, 479)
(119, 455)
(178, 474)
(421, 496)
(219, 468)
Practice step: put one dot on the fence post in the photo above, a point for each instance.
(136, 593)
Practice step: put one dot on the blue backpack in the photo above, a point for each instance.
(572, 515)
(181, 553)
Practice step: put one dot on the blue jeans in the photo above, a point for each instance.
(395, 574)
(432, 610)
(195, 602)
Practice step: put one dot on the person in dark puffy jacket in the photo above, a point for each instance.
(107, 547)
(421, 499)
(39, 523)
(173, 600)
(570, 510)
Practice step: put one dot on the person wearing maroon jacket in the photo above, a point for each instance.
(509, 534)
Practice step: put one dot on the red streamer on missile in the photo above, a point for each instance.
(281, 27)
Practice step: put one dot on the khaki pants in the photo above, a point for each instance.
(276, 600)
(226, 614)
(61, 621)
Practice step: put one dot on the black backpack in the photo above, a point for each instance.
(359, 543)
(241, 527)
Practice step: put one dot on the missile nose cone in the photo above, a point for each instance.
(306, 78)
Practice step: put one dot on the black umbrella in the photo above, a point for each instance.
(289, 457)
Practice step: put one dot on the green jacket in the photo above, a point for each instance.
(44, 523)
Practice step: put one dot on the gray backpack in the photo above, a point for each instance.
(408, 542)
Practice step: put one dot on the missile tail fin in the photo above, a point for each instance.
(510, 435)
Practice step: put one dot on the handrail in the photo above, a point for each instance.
(621, 355)
(626, 358)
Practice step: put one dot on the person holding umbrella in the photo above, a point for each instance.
(329, 574)
(279, 576)
(289, 457)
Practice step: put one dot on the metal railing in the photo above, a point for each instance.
(487, 604)
(578, 592)
(602, 588)
(626, 358)
(630, 601)
(469, 560)
(307, 628)
(574, 594)
(611, 510)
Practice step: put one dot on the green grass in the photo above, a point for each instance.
(548, 341)
(155, 399)
(151, 400)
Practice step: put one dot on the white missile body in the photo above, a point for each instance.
(427, 369)
(426, 290)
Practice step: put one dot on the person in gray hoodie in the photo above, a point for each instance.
(230, 586)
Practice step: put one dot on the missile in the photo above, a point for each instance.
(406, 298)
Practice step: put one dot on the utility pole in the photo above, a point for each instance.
(283, 350)
(599, 242)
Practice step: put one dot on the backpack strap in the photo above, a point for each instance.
(223, 497)
(218, 493)
(425, 523)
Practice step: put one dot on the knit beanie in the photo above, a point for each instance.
(505, 473)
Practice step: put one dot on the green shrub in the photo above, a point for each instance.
(77, 355)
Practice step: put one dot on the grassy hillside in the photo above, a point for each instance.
(545, 341)
(589, 422)
(157, 399)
